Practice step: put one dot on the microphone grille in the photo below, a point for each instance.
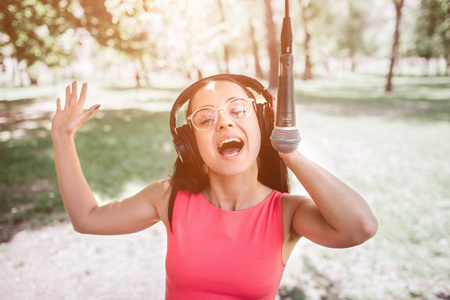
(285, 140)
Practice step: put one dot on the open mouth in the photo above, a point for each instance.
(230, 147)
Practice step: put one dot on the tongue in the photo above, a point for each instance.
(230, 150)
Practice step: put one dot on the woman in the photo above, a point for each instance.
(231, 227)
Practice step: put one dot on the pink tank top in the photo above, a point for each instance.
(219, 254)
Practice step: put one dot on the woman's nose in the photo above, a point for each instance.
(224, 120)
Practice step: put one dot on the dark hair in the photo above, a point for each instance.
(272, 171)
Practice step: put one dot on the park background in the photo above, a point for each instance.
(373, 107)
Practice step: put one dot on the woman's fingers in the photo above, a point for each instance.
(83, 95)
(90, 112)
(74, 95)
(58, 105)
(73, 115)
(71, 94)
(67, 100)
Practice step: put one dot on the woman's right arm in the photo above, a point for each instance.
(129, 215)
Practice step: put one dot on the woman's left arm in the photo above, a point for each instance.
(335, 215)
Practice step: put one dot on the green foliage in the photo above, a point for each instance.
(432, 28)
(207, 36)
(350, 38)
(338, 29)
(26, 26)
(44, 30)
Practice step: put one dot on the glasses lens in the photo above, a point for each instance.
(205, 118)
(238, 108)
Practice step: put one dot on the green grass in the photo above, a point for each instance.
(425, 98)
(121, 146)
(115, 147)
(402, 169)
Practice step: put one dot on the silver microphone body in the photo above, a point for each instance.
(285, 136)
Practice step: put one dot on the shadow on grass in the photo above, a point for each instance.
(398, 107)
(421, 98)
(293, 293)
(429, 85)
(327, 288)
(115, 148)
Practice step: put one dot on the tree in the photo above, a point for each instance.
(306, 10)
(27, 33)
(431, 33)
(272, 46)
(226, 51)
(255, 49)
(350, 31)
(316, 22)
(443, 32)
(398, 13)
(40, 29)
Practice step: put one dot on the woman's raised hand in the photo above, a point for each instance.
(66, 121)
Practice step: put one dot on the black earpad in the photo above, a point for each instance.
(186, 146)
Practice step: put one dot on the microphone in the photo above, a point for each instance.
(285, 136)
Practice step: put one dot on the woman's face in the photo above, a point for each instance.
(231, 146)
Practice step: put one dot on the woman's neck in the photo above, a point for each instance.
(235, 192)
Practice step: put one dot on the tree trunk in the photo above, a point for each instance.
(307, 75)
(426, 67)
(446, 65)
(226, 51)
(199, 74)
(398, 9)
(272, 46)
(258, 72)
(353, 63)
(227, 58)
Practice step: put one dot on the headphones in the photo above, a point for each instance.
(183, 137)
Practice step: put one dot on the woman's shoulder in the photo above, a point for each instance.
(292, 202)
(159, 189)
(158, 194)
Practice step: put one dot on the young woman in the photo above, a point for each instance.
(230, 222)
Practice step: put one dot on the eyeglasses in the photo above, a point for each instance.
(206, 117)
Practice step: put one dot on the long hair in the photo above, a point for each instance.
(272, 171)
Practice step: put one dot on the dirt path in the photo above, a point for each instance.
(57, 263)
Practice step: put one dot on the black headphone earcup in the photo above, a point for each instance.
(186, 146)
(265, 119)
(269, 119)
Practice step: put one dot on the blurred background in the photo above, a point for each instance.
(373, 107)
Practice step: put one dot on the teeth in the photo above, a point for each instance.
(231, 154)
(228, 141)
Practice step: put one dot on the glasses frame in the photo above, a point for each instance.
(218, 109)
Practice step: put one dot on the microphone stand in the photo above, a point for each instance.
(285, 136)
